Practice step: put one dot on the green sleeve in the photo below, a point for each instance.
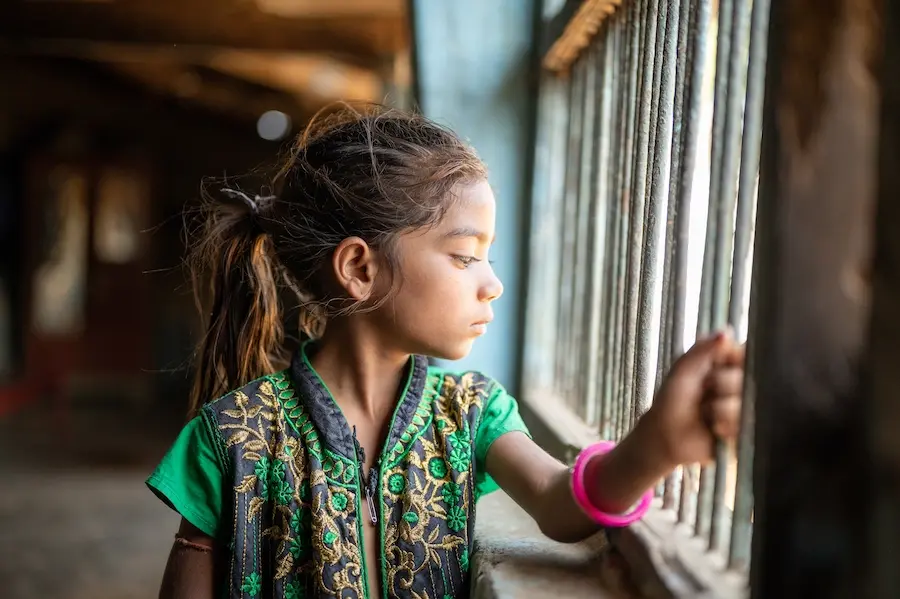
(190, 478)
(500, 415)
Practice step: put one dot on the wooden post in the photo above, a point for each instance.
(817, 199)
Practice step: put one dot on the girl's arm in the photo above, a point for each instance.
(542, 486)
(190, 569)
(699, 401)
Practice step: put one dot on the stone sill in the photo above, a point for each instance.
(666, 561)
(512, 559)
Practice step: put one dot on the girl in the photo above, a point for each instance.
(354, 471)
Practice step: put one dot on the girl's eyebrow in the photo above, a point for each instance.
(469, 232)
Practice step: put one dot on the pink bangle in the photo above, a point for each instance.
(581, 495)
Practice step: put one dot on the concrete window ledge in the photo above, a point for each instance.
(512, 559)
(665, 560)
(654, 559)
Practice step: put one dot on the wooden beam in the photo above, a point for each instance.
(333, 8)
(312, 79)
(203, 25)
(817, 196)
(232, 99)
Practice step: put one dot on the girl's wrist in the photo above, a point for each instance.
(655, 452)
(615, 481)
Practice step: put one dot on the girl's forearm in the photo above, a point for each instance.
(616, 481)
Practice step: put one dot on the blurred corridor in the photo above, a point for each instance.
(117, 113)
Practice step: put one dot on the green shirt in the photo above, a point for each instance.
(433, 468)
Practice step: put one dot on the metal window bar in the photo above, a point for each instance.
(741, 525)
(650, 18)
(567, 234)
(587, 205)
(655, 216)
(701, 18)
(602, 211)
(678, 213)
(731, 77)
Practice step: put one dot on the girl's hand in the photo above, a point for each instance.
(699, 401)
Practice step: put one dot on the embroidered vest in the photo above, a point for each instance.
(298, 500)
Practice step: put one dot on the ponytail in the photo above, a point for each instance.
(244, 330)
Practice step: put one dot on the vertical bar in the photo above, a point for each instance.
(636, 233)
(702, 15)
(736, 95)
(636, 26)
(659, 44)
(577, 351)
(713, 229)
(669, 316)
(567, 234)
(741, 526)
(604, 213)
(614, 289)
(650, 293)
(611, 137)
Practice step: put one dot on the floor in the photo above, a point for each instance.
(76, 520)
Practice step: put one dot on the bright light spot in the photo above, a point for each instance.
(273, 125)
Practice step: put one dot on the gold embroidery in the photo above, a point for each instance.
(297, 503)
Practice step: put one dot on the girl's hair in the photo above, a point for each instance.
(369, 172)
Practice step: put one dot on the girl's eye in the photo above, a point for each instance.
(466, 260)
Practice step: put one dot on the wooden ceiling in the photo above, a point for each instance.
(236, 56)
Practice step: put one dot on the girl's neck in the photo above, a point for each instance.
(363, 376)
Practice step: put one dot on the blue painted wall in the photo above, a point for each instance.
(473, 61)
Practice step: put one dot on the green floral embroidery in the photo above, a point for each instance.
(411, 517)
(459, 439)
(252, 584)
(262, 469)
(283, 491)
(339, 501)
(299, 521)
(451, 493)
(456, 519)
(464, 560)
(459, 459)
(265, 490)
(396, 483)
(277, 471)
(437, 467)
(293, 590)
(329, 537)
(305, 494)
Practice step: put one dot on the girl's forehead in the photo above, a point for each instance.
(473, 211)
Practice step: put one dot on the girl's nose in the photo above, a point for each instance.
(492, 289)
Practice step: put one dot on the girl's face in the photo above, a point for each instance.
(446, 284)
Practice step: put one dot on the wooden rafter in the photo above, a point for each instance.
(578, 32)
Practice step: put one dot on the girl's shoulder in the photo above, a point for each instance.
(268, 391)
(469, 380)
(464, 389)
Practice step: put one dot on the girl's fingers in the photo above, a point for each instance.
(724, 415)
(724, 381)
(733, 354)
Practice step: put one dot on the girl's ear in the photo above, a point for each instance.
(355, 267)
